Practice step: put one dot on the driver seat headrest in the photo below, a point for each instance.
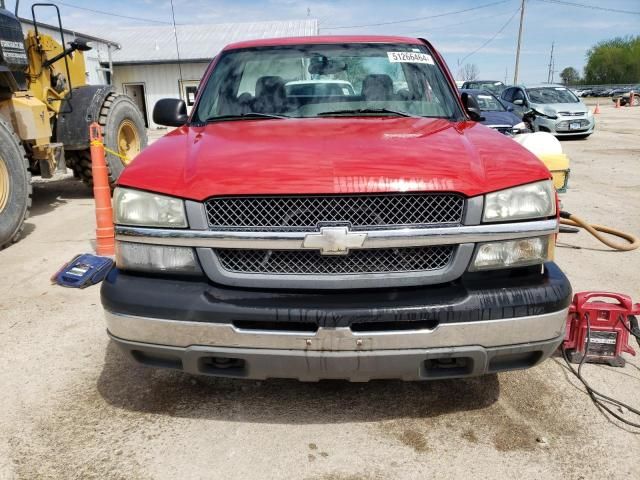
(270, 85)
(377, 87)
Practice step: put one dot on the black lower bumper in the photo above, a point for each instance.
(474, 297)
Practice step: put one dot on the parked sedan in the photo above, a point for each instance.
(494, 86)
(495, 114)
(573, 117)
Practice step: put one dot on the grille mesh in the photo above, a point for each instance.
(301, 262)
(358, 211)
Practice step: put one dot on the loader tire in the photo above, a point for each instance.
(15, 186)
(123, 131)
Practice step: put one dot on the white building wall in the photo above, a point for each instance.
(159, 80)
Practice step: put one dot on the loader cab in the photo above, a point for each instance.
(13, 55)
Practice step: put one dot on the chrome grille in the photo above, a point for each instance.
(310, 212)
(310, 262)
(572, 114)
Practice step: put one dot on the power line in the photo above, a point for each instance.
(428, 30)
(101, 12)
(591, 7)
(493, 37)
(407, 20)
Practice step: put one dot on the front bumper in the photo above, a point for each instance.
(355, 366)
(480, 324)
(553, 128)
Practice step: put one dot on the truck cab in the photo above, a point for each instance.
(380, 234)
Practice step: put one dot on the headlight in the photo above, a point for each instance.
(513, 253)
(520, 126)
(156, 258)
(535, 200)
(134, 207)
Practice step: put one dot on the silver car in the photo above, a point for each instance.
(574, 117)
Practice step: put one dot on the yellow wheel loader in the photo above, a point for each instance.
(46, 108)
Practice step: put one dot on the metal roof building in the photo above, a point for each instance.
(146, 65)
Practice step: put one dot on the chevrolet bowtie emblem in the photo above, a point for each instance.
(334, 240)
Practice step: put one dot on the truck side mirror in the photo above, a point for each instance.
(170, 112)
(471, 106)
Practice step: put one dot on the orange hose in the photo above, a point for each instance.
(633, 241)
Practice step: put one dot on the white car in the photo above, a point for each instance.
(571, 116)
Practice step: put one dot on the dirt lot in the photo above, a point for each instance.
(72, 407)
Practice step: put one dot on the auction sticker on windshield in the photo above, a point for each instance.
(409, 57)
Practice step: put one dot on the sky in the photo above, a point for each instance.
(490, 31)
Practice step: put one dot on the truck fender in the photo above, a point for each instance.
(77, 112)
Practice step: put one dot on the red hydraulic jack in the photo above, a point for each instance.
(600, 329)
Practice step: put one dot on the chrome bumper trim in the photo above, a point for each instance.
(407, 237)
(486, 333)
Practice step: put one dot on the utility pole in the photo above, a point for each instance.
(175, 36)
(515, 72)
(551, 66)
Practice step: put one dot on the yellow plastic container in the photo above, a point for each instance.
(558, 165)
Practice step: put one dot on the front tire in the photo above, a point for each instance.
(15, 186)
(124, 132)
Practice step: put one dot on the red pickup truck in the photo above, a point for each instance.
(331, 209)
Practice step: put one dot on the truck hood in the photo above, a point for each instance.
(332, 155)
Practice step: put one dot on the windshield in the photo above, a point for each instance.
(489, 103)
(324, 80)
(551, 95)
(494, 87)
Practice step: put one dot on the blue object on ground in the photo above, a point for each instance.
(84, 270)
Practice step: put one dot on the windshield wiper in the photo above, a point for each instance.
(365, 111)
(241, 116)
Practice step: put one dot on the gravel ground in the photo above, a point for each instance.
(73, 407)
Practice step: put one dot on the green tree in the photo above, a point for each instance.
(570, 76)
(614, 61)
